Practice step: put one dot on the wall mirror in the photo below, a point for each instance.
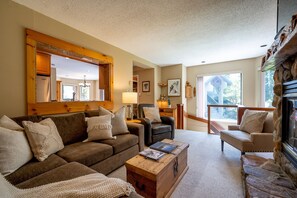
(63, 77)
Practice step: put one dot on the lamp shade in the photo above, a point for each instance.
(129, 97)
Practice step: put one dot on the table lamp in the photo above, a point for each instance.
(129, 98)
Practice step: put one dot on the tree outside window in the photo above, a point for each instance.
(268, 87)
(225, 89)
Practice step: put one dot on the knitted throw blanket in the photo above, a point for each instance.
(93, 185)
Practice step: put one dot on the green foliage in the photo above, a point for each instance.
(268, 79)
(231, 94)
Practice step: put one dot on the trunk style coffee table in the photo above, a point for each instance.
(158, 178)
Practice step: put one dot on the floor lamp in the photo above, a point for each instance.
(129, 98)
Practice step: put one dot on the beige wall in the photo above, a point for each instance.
(259, 81)
(146, 75)
(247, 67)
(14, 19)
(172, 72)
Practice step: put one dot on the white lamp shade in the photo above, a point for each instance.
(129, 97)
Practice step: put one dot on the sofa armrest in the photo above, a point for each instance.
(137, 129)
(148, 136)
(233, 127)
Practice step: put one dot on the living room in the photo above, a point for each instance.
(19, 16)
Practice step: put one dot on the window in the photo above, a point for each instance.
(223, 89)
(268, 88)
(84, 93)
(68, 92)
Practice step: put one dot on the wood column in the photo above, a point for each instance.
(180, 116)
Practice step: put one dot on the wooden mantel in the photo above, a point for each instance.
(286, 50)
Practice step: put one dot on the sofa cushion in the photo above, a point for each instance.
(253, 121)
(158, 128)
(92, 113)
(122, 142)
(34, 168)
(87, 153)
(72, 128)
(32, 118)
(62, 173)
(43, 137)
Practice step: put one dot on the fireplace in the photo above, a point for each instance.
(289, 121)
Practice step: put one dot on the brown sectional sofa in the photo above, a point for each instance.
(77, 158)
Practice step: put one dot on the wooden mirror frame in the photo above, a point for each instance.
(105, 78)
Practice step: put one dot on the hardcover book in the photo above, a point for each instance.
(152, 154)
(164, 147)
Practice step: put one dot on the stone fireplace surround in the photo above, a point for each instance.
(286, 72)
(277, 177)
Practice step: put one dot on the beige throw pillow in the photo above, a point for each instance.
(14, 149)
(118, 122)
(152, 114)
(253, 121)
(8, 123)
(44, 138)
(99, 128)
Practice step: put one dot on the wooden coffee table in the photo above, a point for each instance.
(158, 178)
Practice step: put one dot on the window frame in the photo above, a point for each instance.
(201, 90)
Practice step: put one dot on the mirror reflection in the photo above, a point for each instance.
(61, 78)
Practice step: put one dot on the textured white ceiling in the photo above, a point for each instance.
(169, 32)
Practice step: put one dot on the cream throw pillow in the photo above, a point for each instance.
(253, 121)
(14, 147)
(152, 114)
(44, 138)
(8, 123)
(118, 122)
(99, 128)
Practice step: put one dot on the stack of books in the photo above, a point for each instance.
(158, 150)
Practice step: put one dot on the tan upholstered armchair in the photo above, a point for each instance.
(250, 142)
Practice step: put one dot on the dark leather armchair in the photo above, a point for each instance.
(154, 132)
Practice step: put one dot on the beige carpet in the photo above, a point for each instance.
(211, 173)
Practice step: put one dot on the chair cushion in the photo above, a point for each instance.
(238, 139)
(34, 168)
(87, 153)
(158, 128)
(61, 173)
(122, 142)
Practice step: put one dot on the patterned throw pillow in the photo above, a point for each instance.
(152, 114)
(99, 128)
(118, 120)
(14, 146)
(253, 121)
(44, 138)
